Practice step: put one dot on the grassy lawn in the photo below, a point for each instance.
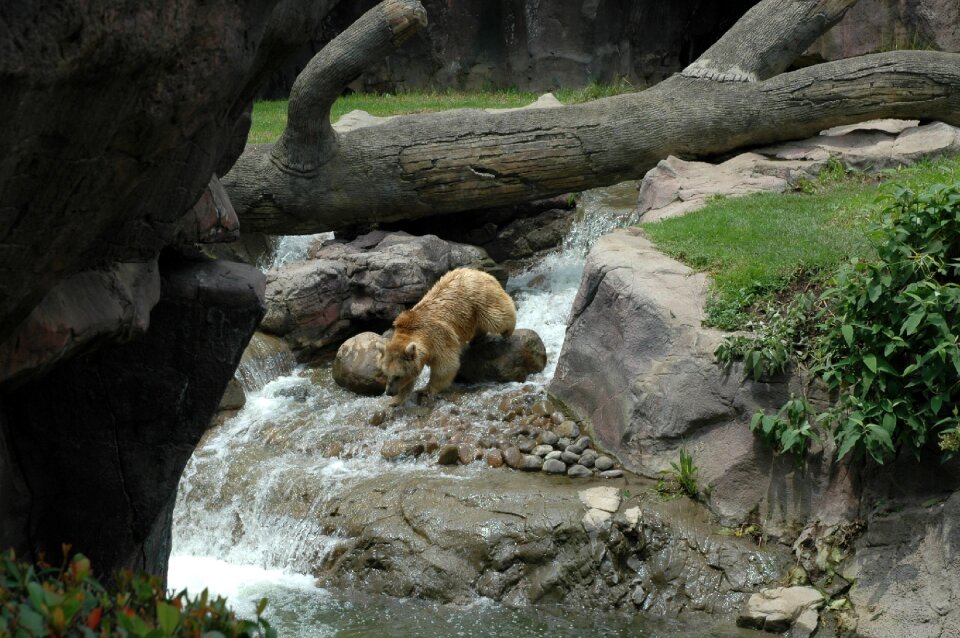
(756, 246)
(270, 117)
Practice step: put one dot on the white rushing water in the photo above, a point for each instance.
(230, 535)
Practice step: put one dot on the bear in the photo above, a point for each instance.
(462, 305)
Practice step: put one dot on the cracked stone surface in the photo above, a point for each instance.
(518, 538)
(639, 368)
(778, 608)
(605, 499)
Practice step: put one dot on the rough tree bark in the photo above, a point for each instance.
(735, 95)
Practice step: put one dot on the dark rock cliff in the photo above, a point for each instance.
(114, 117)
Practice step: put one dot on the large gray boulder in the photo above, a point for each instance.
(639, 367)
(345, 287)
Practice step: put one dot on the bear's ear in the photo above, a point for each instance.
(411, 350)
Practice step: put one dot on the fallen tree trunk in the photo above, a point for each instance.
(735, 95)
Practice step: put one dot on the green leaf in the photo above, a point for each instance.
(35, 591)
(870, 361)
(890, 422)
(32, 621)
(847, 331)
(848, 442)
(936, 403)
(168, 617)
(877, 433)
(910, 325)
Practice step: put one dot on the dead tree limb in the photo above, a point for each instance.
(733, 96)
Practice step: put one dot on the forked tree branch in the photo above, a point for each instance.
(421, 165)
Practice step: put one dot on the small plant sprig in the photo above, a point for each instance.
(681, 478)
(37, 601)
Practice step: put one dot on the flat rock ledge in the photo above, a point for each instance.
(529, 539)
(676, 187)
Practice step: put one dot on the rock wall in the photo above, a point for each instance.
(637, 364)
(545, 44)
(534, 44)
(872, 26)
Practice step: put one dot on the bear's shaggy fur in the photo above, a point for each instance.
(463, 304)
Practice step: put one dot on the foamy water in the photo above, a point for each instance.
(233, 529)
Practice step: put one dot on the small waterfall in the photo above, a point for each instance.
(265, 359)
(288, 248)
(252, 493)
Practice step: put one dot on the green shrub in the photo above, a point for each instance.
(886, 341)
(38, 601)
(891, 330)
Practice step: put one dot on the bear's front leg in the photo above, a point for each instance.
(402, 393)
(441, 376)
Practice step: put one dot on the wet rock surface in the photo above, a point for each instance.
(345, 287)
(522, 539)
(520, 433)
(503, 359)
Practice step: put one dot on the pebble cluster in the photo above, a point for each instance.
(527, 433)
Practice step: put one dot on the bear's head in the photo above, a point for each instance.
(400, 362)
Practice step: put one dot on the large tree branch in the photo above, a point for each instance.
(461, 160)
(767, 39)
(308, 140)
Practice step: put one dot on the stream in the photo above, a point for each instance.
(247, 522)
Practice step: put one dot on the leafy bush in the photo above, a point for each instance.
(890, 337)
(38, 601)
(886, 339)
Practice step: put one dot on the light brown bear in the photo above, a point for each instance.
(463, 304)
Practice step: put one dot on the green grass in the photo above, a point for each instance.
(270, 117)
(754, 247)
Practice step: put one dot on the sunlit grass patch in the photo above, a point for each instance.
(756, 246)
(270, 116)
